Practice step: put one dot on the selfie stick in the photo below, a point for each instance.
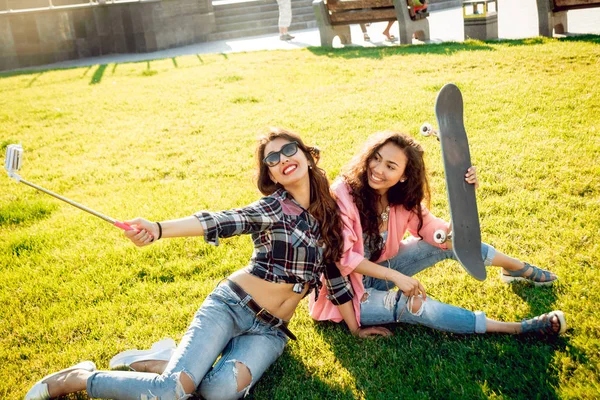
(12, 163)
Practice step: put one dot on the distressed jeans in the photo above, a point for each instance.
(224, 325)
(382, 305)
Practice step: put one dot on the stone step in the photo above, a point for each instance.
(263, 17)
(257, 7)
(259, 11)
(263, 23)
(259, 31)
(235, 4)
(245, 18)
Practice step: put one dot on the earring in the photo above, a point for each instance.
(310, 167)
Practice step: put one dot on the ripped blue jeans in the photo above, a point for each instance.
(224, 325)
(382, 305)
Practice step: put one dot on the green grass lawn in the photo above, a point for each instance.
(166, 138)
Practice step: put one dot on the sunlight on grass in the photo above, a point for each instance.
(165, 138)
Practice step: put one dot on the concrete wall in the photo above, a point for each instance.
(22, 4)
(437, 5)
(30, 38)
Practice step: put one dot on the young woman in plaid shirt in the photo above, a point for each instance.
(295, 229)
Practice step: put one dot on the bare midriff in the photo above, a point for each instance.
(277, 298)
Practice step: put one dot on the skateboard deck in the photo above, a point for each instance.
(466, 232)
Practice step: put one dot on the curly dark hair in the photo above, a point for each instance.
(410, 194)
(322, 203)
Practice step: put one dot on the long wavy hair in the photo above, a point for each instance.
(410, 194)
(322, 203)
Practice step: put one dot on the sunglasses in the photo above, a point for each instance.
(273, 158)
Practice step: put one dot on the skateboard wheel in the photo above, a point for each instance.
(440, 236)
(426, 129)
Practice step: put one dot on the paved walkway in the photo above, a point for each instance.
(516, 19)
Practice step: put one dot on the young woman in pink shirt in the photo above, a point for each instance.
(381, 196)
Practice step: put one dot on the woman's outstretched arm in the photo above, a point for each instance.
(256, 217)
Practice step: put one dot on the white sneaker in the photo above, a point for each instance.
(39, 391)
(160, 351)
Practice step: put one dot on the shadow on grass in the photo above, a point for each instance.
(382, 52)
(446, 48)
(288, 378)
(594, 39)
(582, 38)
(24, 213)
(35, 78)
(541, 299)
(98, 75)
(86, 71)
(417, 362)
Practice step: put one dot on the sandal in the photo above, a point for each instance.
(390, 38)
(534, 277)
(366, 37)
(543, 324)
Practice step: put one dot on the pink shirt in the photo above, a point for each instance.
(400, 221)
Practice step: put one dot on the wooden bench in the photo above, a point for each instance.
(552, 14)
(334, 18)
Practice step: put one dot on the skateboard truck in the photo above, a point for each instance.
(427, 130)
(440, 236)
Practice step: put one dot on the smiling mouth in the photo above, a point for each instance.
(289, 169)
(375, 179)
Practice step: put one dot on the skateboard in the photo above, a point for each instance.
(466, 232)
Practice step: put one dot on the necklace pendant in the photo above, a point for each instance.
(385, 215)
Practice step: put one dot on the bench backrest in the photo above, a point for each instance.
(563, 5)
(343, 12)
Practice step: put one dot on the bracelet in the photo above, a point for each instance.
(159, 230)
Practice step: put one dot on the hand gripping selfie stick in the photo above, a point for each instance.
(12, 163)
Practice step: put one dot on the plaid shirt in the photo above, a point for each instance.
(339, 287)
(287, 240)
